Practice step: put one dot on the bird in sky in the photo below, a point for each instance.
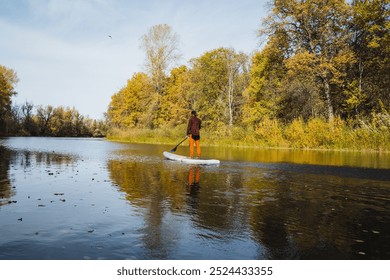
(110, 36)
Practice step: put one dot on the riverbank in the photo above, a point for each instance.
(315, 134)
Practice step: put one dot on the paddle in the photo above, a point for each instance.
(174, 149)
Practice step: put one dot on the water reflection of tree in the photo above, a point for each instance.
(286, 218)
(156, 195)
(326, 157)
(142, 182)
(297, 217)
(29, 159)
(6, 192)
(217, 206)
(288, 214)
(26, 160)
(222, 209)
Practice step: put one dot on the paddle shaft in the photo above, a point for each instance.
(174, 149)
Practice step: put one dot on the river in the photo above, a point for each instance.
(70, 198)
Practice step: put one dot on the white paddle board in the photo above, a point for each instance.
(189, 160)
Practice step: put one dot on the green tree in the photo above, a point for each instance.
(263, 96)
(217, 85)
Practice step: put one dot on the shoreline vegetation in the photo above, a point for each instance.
(315, 134)
(320, 81)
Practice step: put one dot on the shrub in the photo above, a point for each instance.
(296, 134)
(270, 133)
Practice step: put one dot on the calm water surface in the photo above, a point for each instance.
(93, 199)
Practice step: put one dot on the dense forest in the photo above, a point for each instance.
(321, 80)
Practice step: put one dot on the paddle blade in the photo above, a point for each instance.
(174, 150)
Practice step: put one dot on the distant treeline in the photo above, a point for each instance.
(30, 120)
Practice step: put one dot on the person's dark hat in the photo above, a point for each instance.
(193, 112)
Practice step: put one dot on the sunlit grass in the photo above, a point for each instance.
(313, 134)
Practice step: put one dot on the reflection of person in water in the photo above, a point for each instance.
(193, 179)
(193, 188)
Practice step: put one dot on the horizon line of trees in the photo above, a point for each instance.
(30, 120)
(322, 59)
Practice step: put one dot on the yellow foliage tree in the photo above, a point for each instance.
(318, 42)
(8, 80)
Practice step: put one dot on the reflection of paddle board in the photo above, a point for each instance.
(189, 160)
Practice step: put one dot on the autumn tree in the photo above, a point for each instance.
(237, 68)
(135, 105)
(318, 43)
(160, 45)
(44, 116)
(369, 85)
(28, 118)
(262, 95)
(176, 105)
(8, 81)
(217, 85)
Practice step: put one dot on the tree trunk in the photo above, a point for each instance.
(328, 100)
(232, 70)
(230, 98)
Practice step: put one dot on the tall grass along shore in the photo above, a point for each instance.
(315, 133)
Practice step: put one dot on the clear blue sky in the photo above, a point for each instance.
(63, 55)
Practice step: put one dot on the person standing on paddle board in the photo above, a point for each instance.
(193, 132)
